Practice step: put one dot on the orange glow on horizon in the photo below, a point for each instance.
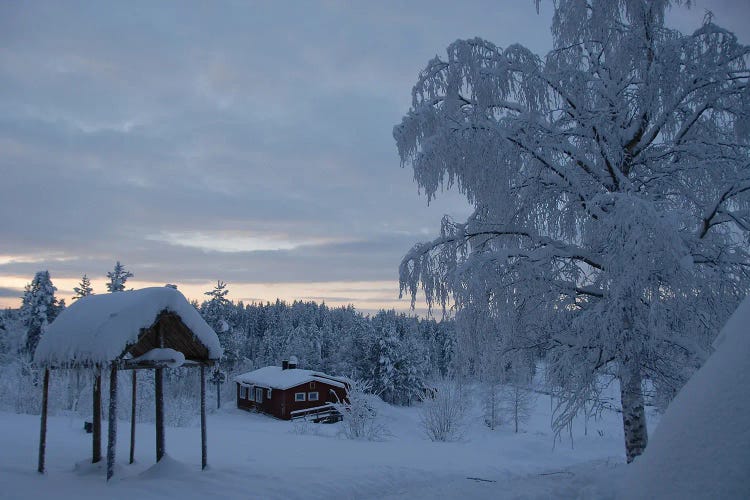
(363, 295)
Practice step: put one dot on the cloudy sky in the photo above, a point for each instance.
(243, 141)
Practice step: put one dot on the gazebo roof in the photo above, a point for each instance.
(98, 329)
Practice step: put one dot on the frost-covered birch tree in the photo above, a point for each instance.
(610, 184)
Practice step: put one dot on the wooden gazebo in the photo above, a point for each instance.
(153, 329)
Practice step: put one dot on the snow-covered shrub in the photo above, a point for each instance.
(443, 411)
(517, 404)
(359, 413)
(491, 405)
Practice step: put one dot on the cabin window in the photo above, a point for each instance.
(312, 385)
(250, 396)
(299, 396)
(245, 393)
(312, 396)
(269, 394)
(258, 395)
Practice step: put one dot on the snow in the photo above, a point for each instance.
(274, 377)
(98, 328)
(255, 456)
(701, 448)
(174, 359)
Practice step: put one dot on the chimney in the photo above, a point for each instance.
(292, 362)
(284, 364)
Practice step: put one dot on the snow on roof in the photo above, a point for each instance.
(274, 377)
(98, 328)
(701, 448)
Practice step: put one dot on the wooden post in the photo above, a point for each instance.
(159, 399)
(204, 456)
(132, 422)
(159, 396)
(112, 430)
(218, 394)
(97, 423)
(43, 429)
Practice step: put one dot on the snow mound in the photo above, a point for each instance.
(167, 467)
(701, 448)
(98, 328)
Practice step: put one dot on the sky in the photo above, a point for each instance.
(248, 142)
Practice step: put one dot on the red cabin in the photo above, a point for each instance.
(287, 391)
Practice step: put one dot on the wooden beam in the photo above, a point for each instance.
(112, 429)
(43, 428)
(152, 365)
(159, 397)
(132, 420)
(97, 417)
(204, 456)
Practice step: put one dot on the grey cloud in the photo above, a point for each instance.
(10, 292)
(121, 121)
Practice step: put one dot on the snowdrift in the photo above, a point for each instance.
(701, 448)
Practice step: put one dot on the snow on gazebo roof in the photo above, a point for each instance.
(99, 328)
(275, 377)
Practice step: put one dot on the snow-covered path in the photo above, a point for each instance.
(253, 456)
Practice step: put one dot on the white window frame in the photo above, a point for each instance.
(258, 394)
(300, 397)
(310, 396)
(250, 393)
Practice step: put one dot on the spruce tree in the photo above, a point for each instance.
(83, 289)
(117, 278)
(39, 308)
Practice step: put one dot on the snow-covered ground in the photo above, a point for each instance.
(255, 456)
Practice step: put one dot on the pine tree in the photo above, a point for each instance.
(117, 278)
(83, 289)
(216, 312)
(39, 308)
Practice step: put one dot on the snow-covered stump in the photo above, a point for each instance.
(96, 439)
(112, 429)
(633, 414)
(43, 427)
(204, 455)
(132, 419)
(159, 399)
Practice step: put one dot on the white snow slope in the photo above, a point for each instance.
(702, 446)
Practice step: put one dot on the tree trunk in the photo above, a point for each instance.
(97, 419)
(633, 413)
(43, 427)
(112, 428)
(159, 397)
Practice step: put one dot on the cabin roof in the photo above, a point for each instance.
(98, 329)
(274, 377)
